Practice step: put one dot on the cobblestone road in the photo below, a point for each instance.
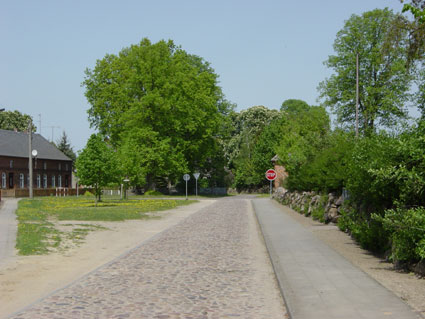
(212, 265)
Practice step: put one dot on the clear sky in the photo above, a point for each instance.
(264, 51)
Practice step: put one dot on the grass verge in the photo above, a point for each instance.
(38, 218)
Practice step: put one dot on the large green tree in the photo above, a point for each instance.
(159, 105)
(96, 165)
(247, 127)
(10, 120)
(384, 76)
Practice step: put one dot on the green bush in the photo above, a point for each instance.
(319, 214)
(153, 193)
(87, 193)
(407, 233)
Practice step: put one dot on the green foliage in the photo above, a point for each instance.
(369, 233)
(387, 169)
(153, 193)
(294, 106)
(10, 120)
(64, 146)
(319, 214)
(407, 232)
(87, 193)
(302, 135)
(246, 151)
(96, 165)
(160, 106)
(384, 77)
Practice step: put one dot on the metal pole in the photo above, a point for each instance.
(186, 190)
(270, 189)
(196, 183)
(357, 95)
(30, 159)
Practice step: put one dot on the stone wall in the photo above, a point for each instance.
(326, 208)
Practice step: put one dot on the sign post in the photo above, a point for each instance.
(186, 178)
(271, 176)
(196, 175)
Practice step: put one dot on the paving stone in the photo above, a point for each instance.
(200, 268)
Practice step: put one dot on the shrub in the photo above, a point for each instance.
(87, 193)
(153, 193)
(319, 214)
(407, 233)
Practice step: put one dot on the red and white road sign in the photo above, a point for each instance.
(271, 174)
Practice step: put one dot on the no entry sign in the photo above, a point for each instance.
(271, 175)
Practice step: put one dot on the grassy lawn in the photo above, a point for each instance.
(40, 229)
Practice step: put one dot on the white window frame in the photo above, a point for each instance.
(45, 181)
(53, 181)
(38, 181)
(59, 180)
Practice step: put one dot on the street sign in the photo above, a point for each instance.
(186, 177)
(196, 175)
(271, 174)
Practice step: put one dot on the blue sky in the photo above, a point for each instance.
(264, 51)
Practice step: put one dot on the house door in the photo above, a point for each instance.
(11, 180)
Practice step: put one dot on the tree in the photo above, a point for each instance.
(65, 147)
(10, 120)
(96, 165)
(416, 29)
(160, 102)
(303, 135)
(384, 77)
(294, 106)
(239, 150)
(246, 128)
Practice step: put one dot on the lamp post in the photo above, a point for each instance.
(30, 186)
(126, 180)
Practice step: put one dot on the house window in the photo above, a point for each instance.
(21, 180)
(66, 167)
(3, 180)
(59, 181)
(11, 164)
(45, 165)
(53, 181)
(38, 181)
(60, 166)
(44, 181)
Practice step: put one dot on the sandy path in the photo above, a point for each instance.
(25, 279)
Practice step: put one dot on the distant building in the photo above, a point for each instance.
(282, 174)
(51, 168)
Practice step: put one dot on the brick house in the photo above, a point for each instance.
(51, 168)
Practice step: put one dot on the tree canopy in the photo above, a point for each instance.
(10, 120)
(384, 79)
(157, 104)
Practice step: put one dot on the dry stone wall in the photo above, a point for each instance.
(326, 208)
